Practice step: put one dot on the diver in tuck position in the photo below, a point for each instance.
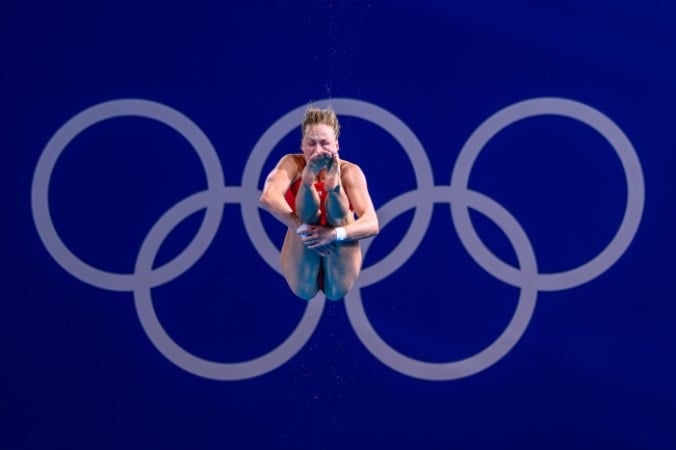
(325, 204)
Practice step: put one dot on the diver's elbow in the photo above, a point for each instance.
(375, 228)
(265, 201)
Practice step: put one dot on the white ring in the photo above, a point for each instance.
(345, 107)
(168, 347)
(497, 349)
(58, 143)
(632, 170)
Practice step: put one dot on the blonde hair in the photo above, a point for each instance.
(326, 116)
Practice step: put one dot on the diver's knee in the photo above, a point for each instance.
(336, 292)
(304, 291)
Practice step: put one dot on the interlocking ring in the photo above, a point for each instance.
(422, 199)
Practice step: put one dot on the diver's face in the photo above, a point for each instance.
(318, 137)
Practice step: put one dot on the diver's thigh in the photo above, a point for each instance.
(342, 269)
(300, 266)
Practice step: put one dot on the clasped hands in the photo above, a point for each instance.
(319, 238)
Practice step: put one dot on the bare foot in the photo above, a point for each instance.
(318, 161)
(332, 177)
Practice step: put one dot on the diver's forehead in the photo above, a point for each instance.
(318, 131)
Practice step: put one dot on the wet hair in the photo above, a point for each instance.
(326, 116)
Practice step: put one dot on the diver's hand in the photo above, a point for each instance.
(318, 238)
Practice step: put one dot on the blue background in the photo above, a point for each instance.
(596, 367)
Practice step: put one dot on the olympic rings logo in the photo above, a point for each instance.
(526, 276)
